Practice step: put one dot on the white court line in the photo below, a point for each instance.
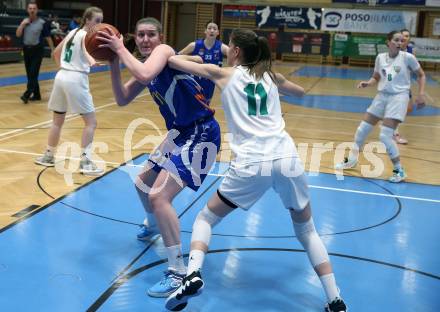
(374, 193)
(359, 192)
(222, 175)
(293, 115)
(69, 117)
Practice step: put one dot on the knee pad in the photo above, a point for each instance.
(386, 137)
(306, 234)
(362, 133)
(203, 225)
(208, 216)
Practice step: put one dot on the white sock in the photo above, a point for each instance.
(86, 152)
(150, 220)
(175, 259)
(329, 284)
(195, 262)
(50, 150)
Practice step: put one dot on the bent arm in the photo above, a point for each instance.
(372, 81)
(23, 24)
(57, 52)
(421, 80)
(189, 49)
(142, 72)
(287, 87)
(225, 50)
(147, 71)
(124, 93)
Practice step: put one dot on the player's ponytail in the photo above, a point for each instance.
(87, 15)
(256, 55)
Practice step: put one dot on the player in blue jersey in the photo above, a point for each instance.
(211, 51)
(189, 151)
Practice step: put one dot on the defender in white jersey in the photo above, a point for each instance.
(71, 91)
(265, 157)
(392, 71)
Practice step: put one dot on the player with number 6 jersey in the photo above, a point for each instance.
(392, 73)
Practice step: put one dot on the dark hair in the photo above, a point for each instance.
(256, 55)
(210, 22)
(88, 13)
(405, 30)
(151, 21)
(391, 34)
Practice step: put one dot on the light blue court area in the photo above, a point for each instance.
(348, 104)
(14, 80)
(338, 72)
(80, 253)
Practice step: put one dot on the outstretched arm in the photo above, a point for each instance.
(212, 72)
(124, 93)
(421, 80)
(373, 80)
(287, 87)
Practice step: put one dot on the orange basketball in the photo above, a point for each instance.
(92, 44)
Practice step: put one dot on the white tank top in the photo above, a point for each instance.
(74, 58)
(395, 73)
(253, 114)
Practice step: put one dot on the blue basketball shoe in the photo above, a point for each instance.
(148, 233)
(167, 285)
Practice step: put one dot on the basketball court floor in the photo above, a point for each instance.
(69, 244)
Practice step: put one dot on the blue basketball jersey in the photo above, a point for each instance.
(180, 98)
(209, 56)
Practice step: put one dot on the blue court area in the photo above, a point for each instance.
(342, 103)
(80, 252)
(348, 104)
(338, 72)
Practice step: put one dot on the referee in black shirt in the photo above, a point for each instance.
(33, 29)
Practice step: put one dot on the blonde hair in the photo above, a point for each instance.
(88, 13)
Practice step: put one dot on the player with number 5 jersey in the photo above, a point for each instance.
(265, 157)
(71, 91)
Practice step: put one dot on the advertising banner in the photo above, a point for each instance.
(427, 49)
(433, 3)
(300, 18)
(358, 46)
(384, 2)
(239, 11)
(293, 42)
(368, 21)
